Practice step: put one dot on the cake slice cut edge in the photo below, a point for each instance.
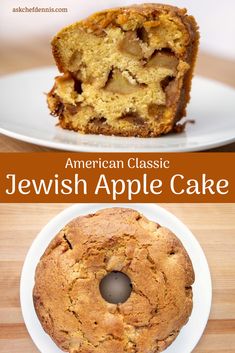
(125, 71)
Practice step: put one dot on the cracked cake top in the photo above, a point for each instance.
(67, 298)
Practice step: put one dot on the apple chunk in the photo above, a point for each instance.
(164, 60)
(120, 84)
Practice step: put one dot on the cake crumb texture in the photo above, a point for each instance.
(125, 71)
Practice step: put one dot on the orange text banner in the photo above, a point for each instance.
(115, 177)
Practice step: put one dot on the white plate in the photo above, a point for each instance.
(202, 289)
(25, 116)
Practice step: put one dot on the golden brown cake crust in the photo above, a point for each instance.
(89, 115)
(101, 20)
(66, 292)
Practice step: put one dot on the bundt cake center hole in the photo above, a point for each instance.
(116, 287)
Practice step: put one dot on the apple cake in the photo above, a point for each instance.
(125, 71)
(67, 295)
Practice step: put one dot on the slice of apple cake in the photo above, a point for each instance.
(125, 71)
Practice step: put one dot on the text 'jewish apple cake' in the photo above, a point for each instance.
(125, 71)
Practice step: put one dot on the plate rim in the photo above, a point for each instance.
(67, 214)
(60, 146)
